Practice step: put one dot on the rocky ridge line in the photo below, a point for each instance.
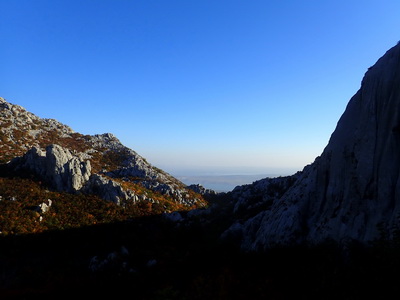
(72, 162)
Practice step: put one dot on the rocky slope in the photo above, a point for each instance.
(71, 162)
(350, 192)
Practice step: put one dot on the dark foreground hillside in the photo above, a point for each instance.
(149, 258)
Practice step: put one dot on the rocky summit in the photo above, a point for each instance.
(352, 191)
(71, 162)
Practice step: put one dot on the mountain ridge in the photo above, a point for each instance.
(99, 165)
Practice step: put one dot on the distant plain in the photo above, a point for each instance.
(222, 183)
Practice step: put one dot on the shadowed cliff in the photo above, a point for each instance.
(352, 191)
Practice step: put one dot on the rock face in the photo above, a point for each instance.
(57, 165)
(108, 190)
(260, 193)
(352, 191)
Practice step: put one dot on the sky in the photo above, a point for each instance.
(196, 86)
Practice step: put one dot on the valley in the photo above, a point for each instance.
(84, 215)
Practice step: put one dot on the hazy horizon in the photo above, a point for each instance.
(222, 183)
(228, 170)
(226, 179)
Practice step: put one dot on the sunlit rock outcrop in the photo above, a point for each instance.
(108, 190)
(57, 165)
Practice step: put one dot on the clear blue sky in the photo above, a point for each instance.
(192, 85)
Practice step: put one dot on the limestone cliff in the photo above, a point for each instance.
(352, 191)
(58, 166)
